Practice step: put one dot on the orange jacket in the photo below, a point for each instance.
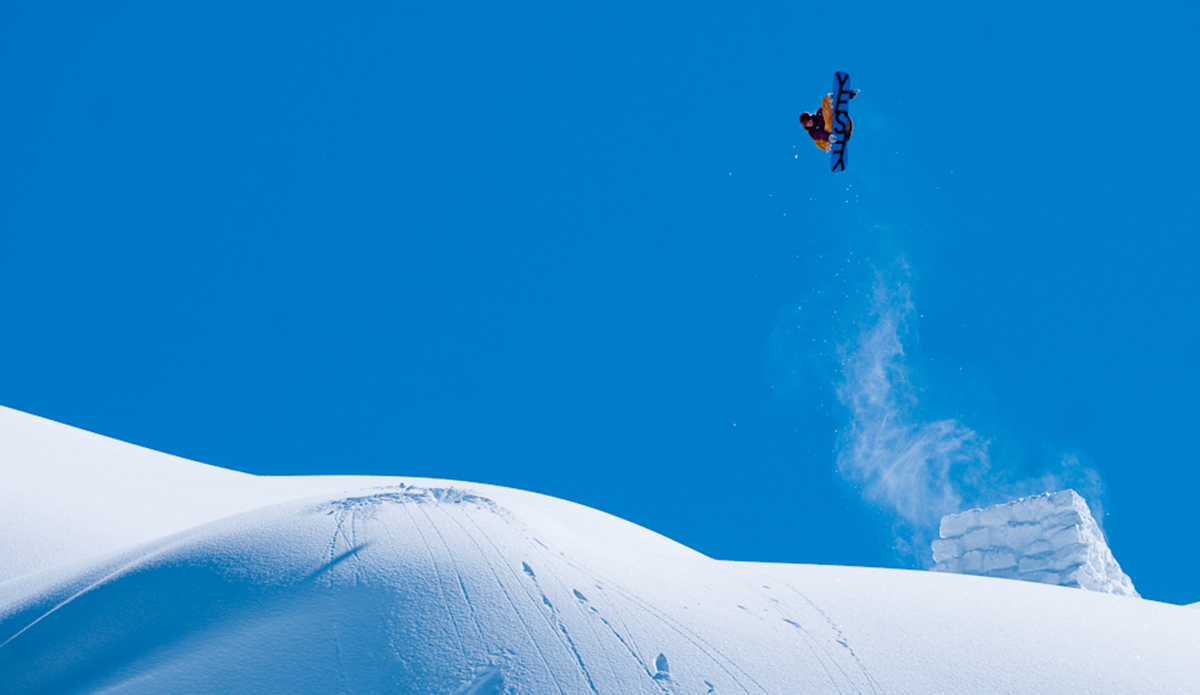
(820, 135)
(827, 114)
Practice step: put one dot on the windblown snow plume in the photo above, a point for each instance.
(918, 470)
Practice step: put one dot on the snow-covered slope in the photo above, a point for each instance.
(67, 494)
(239, 584)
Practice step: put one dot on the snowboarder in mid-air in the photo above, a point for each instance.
(830, 127)
(820, 123)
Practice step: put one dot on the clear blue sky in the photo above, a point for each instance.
(563, 247)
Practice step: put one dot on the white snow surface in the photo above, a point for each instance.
(127, 571)
(1050, 538)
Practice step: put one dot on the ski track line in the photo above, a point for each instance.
(579, 603)
(354, 544)
(339, 513)
(841, 638)
(588, 574)
(462, 585)
(598, 582)
(549, 624)
(810, 642)
(632, 653)
(631, 643)
(632, 649)
(437, 574)
(563, 627)
(508, 597)
(696, 640)
(819, 652)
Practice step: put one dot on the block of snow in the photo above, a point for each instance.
(1002, 559)
(1050, 538)
(945, 550)
(956, 525)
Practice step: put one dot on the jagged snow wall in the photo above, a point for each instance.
(1050, 538)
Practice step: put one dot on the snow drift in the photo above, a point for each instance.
(1050, 538)
(209, 581)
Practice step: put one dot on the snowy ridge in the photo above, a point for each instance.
(396, 585)
(405, 589)
(1050, 538)
(66, 494)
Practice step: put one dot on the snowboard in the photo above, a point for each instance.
(839, 129)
